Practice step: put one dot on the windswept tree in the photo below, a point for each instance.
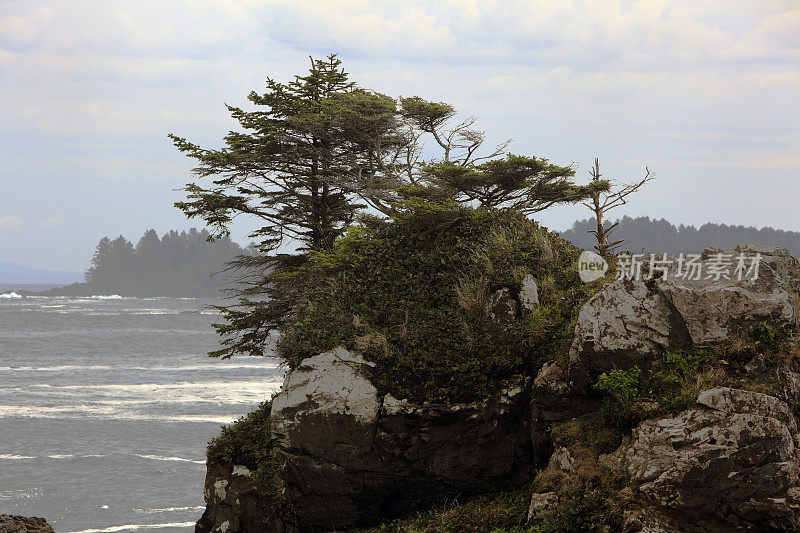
(527, 184)
(603, 201)
(319, 150)
(302, 158)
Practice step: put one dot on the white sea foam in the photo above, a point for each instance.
(12, 457)
(177, 459)
(106, 297)
(160, 368)
(105, 413)
(10, 296)
(129, 527)
(171, 509)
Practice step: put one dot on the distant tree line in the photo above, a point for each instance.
(177, 264)
(643, 234)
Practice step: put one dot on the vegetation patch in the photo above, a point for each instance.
(413, 293)
(248, 442)
(496, 513)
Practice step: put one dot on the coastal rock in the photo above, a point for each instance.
(529, 293)
(502, 310)
(780, 260)
(352, 456)
(540, 503)
(235, 503)
(627, 322)
(22, 524)
(630, 321)
(728, 464)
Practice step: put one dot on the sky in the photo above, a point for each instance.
(706, 94)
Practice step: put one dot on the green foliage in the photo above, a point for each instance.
(411, 294)
(582, 509)
(528, 184)
(770, 337)
(634, 394)
(495, 513)
(248, 442)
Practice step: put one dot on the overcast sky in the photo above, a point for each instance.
(707, 96)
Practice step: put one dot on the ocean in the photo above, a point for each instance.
(106, 407)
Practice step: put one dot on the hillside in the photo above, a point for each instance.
(643, 233)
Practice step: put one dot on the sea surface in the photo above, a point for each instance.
(106, 407)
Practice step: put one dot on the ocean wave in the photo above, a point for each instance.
(171, 509)
(130, 527)
(12, 457)
(10, 296)
(269, 365)
(176, 459)
(105, 413)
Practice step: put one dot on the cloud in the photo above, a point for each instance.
(53, 223)
(10, 224)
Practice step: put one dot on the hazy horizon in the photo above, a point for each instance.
(706, 96)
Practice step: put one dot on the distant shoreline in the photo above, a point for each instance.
(85, 290)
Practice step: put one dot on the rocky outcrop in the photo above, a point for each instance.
(352, 455)
(21, 524)
(730, 463)
(630, 321)
(236, 503)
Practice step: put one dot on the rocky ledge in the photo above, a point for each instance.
(719, 454)
(22, 524)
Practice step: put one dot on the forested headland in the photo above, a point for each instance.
(178, 264)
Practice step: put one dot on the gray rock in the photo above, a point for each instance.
(780, 260)
(626, 323)
(540, 503)
(503, 310)
(711, 310)
(529, 293)
(629, 322)
(730, 463)
(22, 524)
(352, 457)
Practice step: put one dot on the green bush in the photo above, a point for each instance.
(248, 442)
(769, 337)
(410, 294)
(635, 394)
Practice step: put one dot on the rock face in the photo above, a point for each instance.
(21, 524)
(235, 504)
(353, 456)
(630, 321)
(729, 463)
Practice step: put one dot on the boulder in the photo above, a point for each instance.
(529, 293)
(354, 457)
(22, 524)
(503, 310)
(730, 463)
(628, 322)
(631, 321)
(541, 502)
(780, 260)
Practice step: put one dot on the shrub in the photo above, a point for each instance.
(248, 442)
(635, 394)
(410, 294)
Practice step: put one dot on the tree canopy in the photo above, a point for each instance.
(319, 151)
